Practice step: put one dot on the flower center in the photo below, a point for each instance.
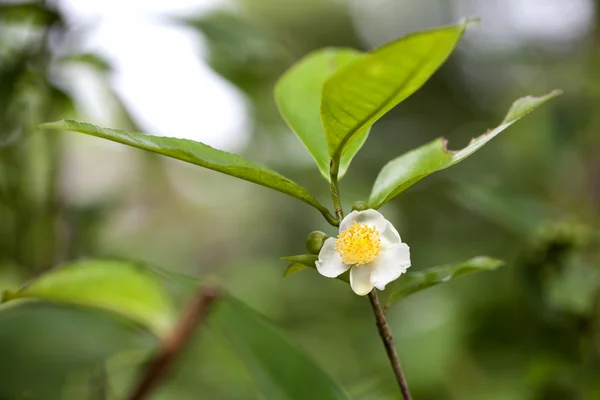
(359, 244)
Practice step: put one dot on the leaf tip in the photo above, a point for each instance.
(288, 271)
(556, 92)
(488, 262)
(527, 104)
(468, 21)
(293, 268)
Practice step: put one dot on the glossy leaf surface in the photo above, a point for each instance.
(196, 153)
(359, 94)
(298, 96)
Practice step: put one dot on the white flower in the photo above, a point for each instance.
(371, 246)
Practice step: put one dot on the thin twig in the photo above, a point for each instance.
(388, 341)
(193, 315)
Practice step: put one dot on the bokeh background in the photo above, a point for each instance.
(205, 70)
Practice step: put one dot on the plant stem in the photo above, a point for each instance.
(330, 218)
(193, 315)
(388, 342)
(382, 325)
(334, 168)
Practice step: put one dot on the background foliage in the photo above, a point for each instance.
(529, 330)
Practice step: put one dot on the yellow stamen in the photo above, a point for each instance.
(359, 244)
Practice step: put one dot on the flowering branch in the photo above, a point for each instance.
(388, 341)
(193, 315)
(382, 325)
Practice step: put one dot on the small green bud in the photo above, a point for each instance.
(360, 206)
(315, 241)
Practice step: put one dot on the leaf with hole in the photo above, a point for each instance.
(408, 169)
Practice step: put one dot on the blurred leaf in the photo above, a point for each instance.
(43, 343)
(199, 154)
(89, 59)
(241, 50)
(412, 282)
(279, 369)
(298, 96)
(516, 212)
(575, 289)
(12, 70)
(359, 94)
(406, 170)
(32, 12)
(122, 287)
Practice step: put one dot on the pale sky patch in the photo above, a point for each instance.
(158, 69)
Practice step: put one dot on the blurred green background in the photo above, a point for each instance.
(530, 330)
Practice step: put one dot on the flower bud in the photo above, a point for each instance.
(360, 206)
(315, 241)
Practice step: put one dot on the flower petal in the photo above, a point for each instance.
(367, 217)
(330, 263)
(392, 262)
(360, 279)
(390, 235)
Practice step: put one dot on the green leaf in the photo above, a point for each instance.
(124, 288)
(305, 259)
(293, 268)
(298, 97)
(412, 282)
(359, 94)
(42, 344)
(299, 262)
(408, 169)
(199, 154)
(279, 369)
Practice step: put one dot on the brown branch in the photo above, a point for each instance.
(193, 315)
(388, 342)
